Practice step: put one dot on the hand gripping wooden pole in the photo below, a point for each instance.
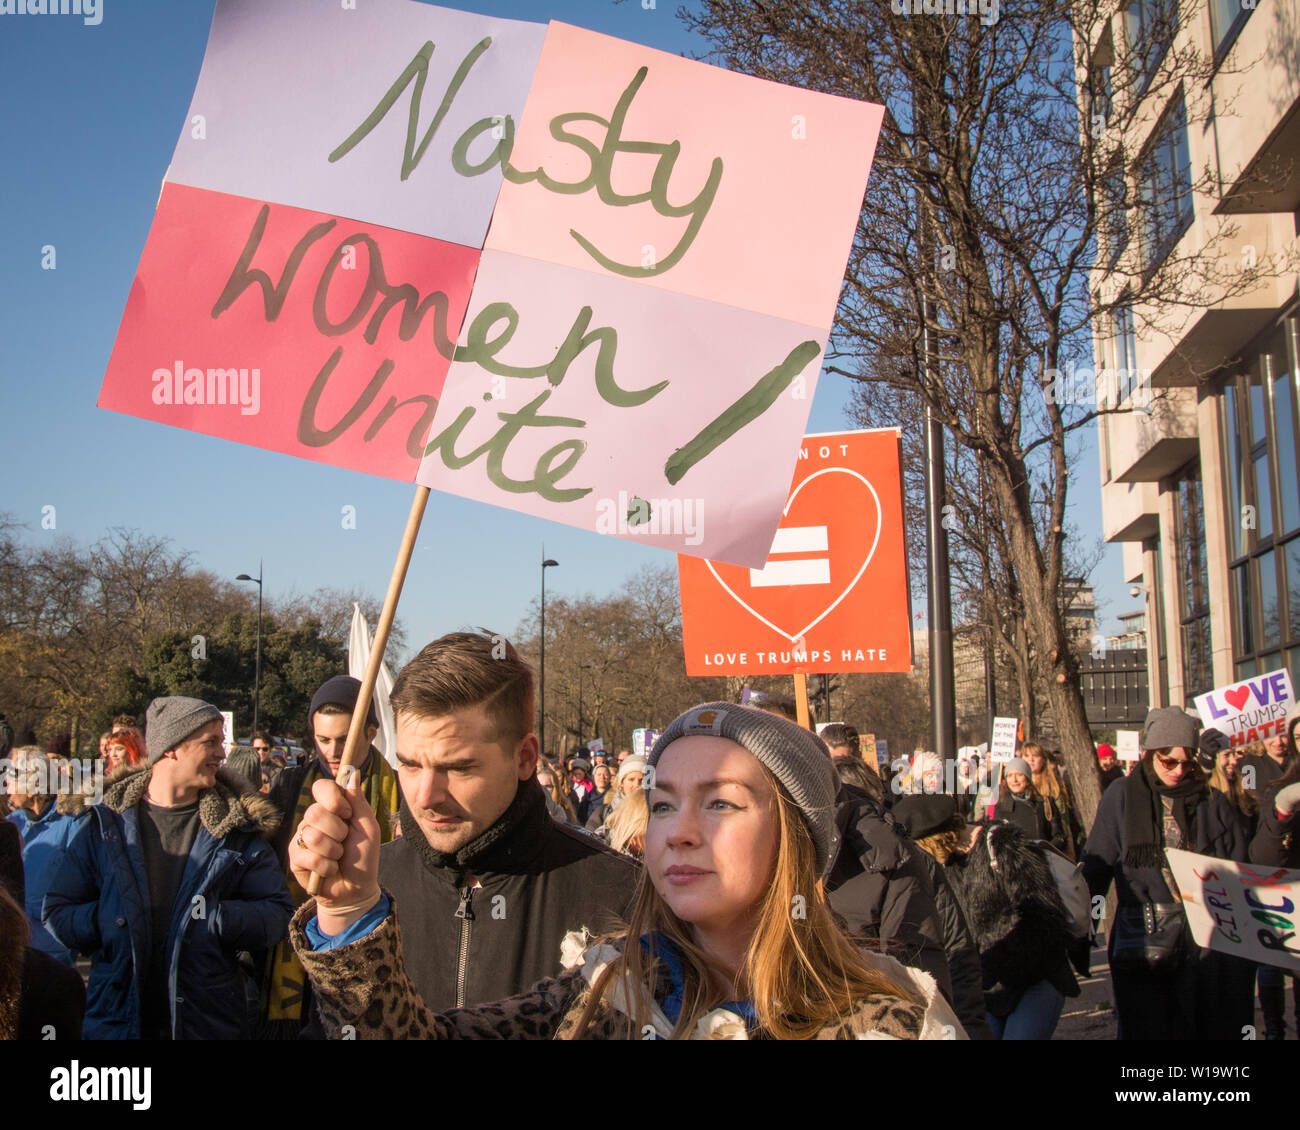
(355, 745)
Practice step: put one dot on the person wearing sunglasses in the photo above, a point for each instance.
(1166, 987)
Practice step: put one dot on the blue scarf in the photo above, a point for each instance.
(657, 945)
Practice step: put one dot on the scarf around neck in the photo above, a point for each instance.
(1144, 814)
(506, 843)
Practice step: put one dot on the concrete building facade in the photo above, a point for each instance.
(1202, 486)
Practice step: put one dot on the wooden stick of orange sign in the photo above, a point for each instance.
(801, 699)
(353, 749)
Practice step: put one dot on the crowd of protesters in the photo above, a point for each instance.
(744, 877)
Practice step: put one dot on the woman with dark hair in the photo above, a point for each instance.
(1276, 845)
(1166, 986)
(856, 773)
(40, 998)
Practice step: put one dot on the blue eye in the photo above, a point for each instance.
(658, 807)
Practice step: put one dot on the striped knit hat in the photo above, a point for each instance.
(795, 756)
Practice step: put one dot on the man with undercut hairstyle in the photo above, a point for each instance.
(483, 883)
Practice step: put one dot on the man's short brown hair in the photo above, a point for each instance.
(467, 669)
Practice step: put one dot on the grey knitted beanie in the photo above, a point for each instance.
(1168, 726)
(169, 721)
(795, 756)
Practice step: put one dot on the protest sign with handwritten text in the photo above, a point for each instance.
(511, 262)
(1251, 710)
(1240, 908)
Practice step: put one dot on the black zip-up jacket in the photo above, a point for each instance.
(963, 954)
(1275, 843)
(880, 889)
(539, 880)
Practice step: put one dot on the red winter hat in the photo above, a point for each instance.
(1104, 751)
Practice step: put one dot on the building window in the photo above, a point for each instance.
(1149, 27)
(1165, 186)
(1193, 584)
(1156, 638)
(1114, 219)
(1227, 17)
(1260, 431)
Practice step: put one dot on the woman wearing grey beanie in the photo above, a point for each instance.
(729, 936)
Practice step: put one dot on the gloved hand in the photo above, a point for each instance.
(1287, 801)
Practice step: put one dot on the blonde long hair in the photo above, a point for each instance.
(1233, 789)
(627, 824)
(802, 972)
(1047, 782)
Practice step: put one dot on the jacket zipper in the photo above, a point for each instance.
(466, 915)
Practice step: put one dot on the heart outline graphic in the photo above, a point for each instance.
(1242, 698)
(880, 521)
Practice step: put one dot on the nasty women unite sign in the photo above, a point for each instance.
(526, 264)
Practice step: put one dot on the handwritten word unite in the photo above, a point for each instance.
(179, 385)
(600, 159)
(487, 335)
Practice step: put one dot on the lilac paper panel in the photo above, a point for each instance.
(286, 83)
(510, 432)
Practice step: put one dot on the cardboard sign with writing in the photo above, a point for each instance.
(1251, 710)
(1240, 908)
(1127, 747)
(290, 108)
(833, 594)
(290, 330)
(1003, 746)
(651, 309)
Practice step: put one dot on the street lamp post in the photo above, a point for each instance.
(581, 668)
(257, 670)
(541, 690)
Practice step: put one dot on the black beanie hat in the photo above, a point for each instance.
(342, 690)
(923, 814)
(1211, 744)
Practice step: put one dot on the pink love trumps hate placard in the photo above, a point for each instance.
(526, 264)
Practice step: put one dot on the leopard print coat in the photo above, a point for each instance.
(363, 992)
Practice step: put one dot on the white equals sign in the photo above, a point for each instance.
(795, 539)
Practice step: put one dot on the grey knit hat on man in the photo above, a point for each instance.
(1168, 726)
(169, 721)
(795, 756)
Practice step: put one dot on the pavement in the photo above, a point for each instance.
(1091, 1015)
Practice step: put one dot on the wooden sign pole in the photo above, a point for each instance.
(354, 748)
(801, 699)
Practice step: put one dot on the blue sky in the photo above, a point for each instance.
(92, 114)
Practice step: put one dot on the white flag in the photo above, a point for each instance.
(358, 657)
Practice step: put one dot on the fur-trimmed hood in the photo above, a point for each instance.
(226, 807)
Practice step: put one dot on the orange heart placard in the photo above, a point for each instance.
(833, 594)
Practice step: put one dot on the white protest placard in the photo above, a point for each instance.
(228, 730)
(643, 741)
(1126, 745)
(1240, 908)
(1251, 710)
(1003, 746)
